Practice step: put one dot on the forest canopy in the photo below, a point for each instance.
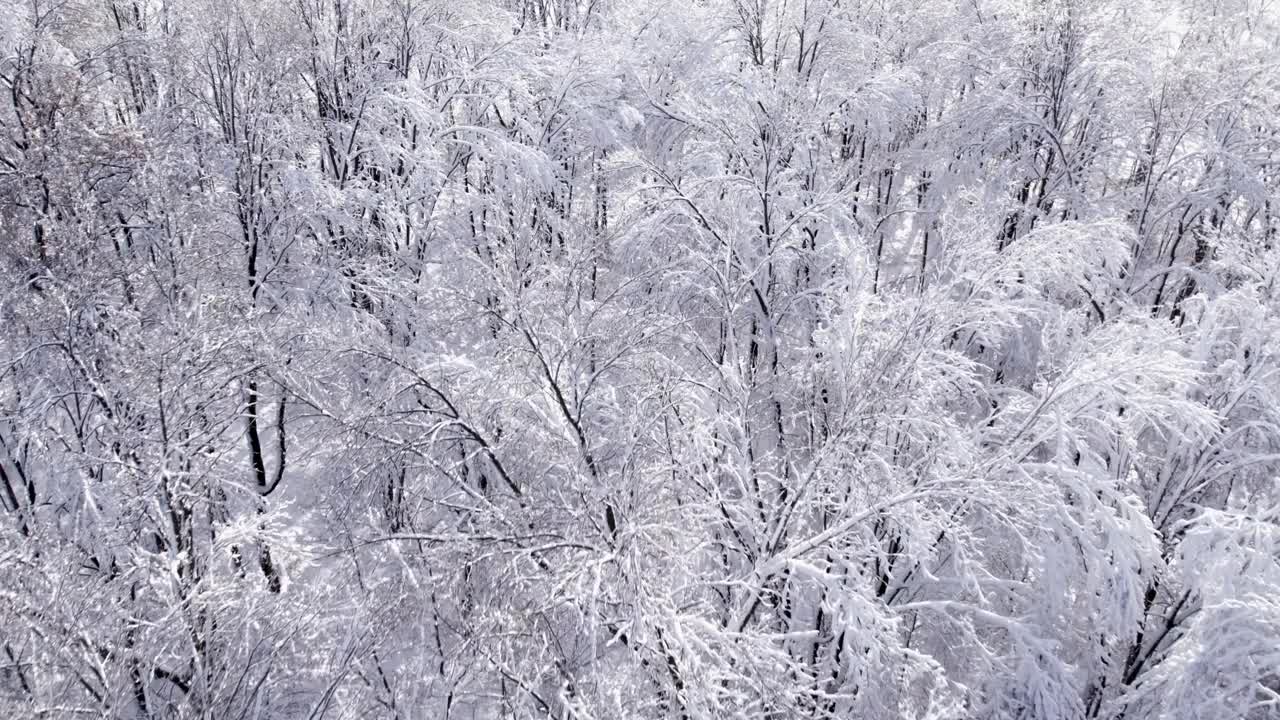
(603, 359)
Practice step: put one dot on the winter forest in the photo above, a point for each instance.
(614, 359)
